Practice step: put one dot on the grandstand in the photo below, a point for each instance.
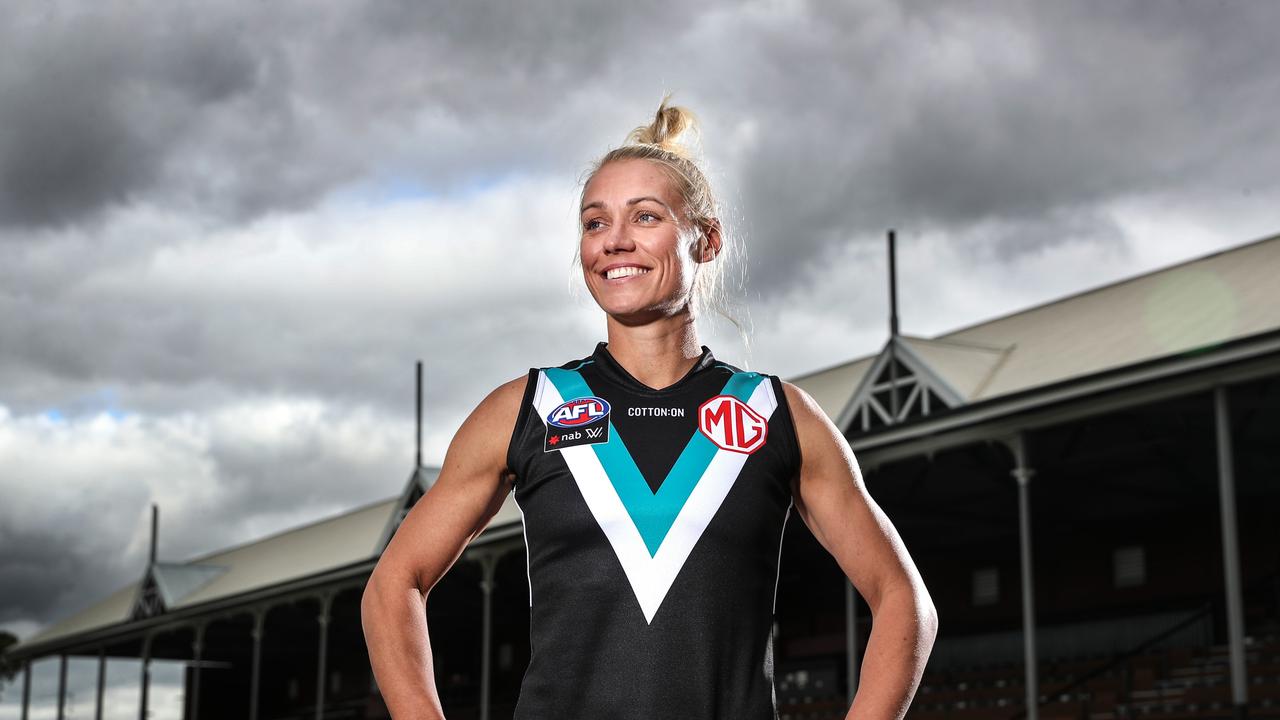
(1089, 487)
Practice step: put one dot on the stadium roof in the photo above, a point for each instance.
(305, 551)
(1193, 304)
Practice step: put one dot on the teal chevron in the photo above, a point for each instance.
(653, 513)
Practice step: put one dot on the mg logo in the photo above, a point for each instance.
(732, 425)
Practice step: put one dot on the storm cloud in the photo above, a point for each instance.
(228, 230)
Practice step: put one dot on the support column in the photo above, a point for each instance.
(488, 565)
(26, 689)
(259, 621)
(1022, 473)
(851, 637)
(102, 683)
(62, 686)
(146, 677)
(326, 604)
(197, 657)
(1230, 552)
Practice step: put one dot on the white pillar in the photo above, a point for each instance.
(259, 621)
(1022, 473)
(62, 686)
(326, 604)
(1230, 551)
(146, 677)
(197, 658)
(851, 636)
(102, 682)
(26, 688)
(488, 565)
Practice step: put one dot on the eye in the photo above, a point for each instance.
(646, 213)
(588, 224)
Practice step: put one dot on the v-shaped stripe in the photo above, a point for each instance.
(652, 512)
(652, 533)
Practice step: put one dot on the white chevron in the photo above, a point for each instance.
(651, 576)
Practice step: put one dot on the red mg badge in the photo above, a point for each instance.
(732, 425)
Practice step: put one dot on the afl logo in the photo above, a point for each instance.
(732, 425)
(578, 412)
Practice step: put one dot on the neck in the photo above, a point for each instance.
(656, 353)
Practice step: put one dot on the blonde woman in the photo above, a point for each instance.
(655, 482)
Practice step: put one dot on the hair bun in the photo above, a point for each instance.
(670, 126)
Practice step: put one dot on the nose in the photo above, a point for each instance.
(618, 239)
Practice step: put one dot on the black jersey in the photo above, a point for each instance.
(653, 521)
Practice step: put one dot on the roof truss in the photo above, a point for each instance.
(897, 370)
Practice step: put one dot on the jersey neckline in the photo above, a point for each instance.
(606, 362)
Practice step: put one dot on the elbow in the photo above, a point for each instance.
(917, 606)
(931, 622)
(370, 600)
(927, 614)
(380, 593)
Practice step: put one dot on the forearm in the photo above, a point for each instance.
(395, 629)
(902, 633)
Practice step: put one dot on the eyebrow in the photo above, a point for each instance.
(632, 201)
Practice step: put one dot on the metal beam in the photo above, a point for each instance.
(1230, 552)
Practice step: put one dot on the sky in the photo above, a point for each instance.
(228, 230)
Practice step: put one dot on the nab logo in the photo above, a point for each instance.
(732, 425)
(579, 411)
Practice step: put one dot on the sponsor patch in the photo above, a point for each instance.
(662, 412)
(580, 421)
(732, 424)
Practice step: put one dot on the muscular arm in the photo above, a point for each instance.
(473, 482)
(833, 501)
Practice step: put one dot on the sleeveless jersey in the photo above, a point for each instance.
(653, 523)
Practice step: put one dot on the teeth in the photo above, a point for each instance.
(622, 272)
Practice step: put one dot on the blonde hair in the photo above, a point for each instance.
(664, 142)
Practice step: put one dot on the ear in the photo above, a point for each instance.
(711, 241)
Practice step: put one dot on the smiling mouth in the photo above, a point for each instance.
(624, 272)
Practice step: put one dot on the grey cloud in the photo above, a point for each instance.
(240, 478)
(241, 110)
(130, 134)
(92, 103)
(951, 115)
(48, 568)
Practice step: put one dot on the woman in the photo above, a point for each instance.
(654, 483)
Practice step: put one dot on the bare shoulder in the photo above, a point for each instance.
(468, 491)
(825, 455)
(800, 402)
(813, 427)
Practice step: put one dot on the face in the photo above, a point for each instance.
(638, 251)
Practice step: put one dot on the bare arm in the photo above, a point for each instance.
(831, 497)
(472, 485)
